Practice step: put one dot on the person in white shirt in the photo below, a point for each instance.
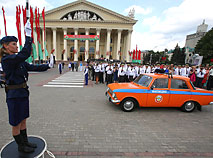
(177, 70)
(136, 71)
(101, 77)
(187, 70)
(131, 73)
(121, 73)
(148, 69)
(109, 70)
(86, 75)
(210, 79)
(97, 70)
(200, 76)
(183, 71)
(141, 70)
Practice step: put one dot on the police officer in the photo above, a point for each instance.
(109, 70)
(121, 73)
(86, 70)
(17, 93)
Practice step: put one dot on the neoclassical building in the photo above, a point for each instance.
(82, 18)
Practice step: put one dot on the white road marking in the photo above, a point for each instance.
(63, 86)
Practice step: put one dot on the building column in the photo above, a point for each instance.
(65, 45)
(86, 45)
(128, 45)
(108, 43)
(54, 43)
(118, 45)
(97, 50)
(76, 46)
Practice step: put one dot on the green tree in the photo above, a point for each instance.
(178, 56)
(204, 47)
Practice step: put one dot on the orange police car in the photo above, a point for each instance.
(159, 90)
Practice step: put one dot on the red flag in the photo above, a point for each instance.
(18, 24)
(163, 58)
(136, 53)
(43, 15)
(31, 21)
(36, 22)
(38, 25)
(133, 57)
(5, 27)
(52, 51)
(24, 11)
(139, 55)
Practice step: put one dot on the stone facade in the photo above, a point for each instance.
(85, 18)
(191, 42)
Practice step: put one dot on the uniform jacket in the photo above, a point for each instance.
(16, 70)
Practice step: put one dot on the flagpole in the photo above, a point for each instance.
(27, 9)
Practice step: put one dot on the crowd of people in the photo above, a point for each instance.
(200, 76)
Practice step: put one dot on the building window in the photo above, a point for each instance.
(111, 40)
(82, 49)
(71, 49)
(110, 49)
(91, 50)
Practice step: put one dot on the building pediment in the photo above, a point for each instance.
(82, 10)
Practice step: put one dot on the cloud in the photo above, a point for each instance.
(184, 17)
(170, 28)
(139, 10)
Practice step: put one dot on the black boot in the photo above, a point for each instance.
(24, 136)
(21, 146)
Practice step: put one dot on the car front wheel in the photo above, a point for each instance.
(188, 106)
(128, 105)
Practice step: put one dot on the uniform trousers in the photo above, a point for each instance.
(109, 78)
(121, 78)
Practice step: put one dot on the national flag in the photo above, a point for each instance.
(133, 57)
(136, 53)
(5, 23)
(24, 11)
(139, 55)
(45, 45)
(37, 15)
(18, 25)
(32, 35)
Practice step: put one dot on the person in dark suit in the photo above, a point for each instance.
(17, 94)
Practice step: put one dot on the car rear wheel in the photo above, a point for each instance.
(188, 106)
(128, 105)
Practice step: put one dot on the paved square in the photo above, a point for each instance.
(80, 122)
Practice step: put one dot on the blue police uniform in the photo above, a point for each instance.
(16, 74)
(86, 75)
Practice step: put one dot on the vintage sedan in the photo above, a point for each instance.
(159, 90)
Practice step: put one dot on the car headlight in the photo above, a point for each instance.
(114, 96)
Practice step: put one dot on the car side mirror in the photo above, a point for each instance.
(152, 87)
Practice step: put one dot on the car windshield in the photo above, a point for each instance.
(143, 80)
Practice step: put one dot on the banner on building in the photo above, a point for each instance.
(81, 37)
